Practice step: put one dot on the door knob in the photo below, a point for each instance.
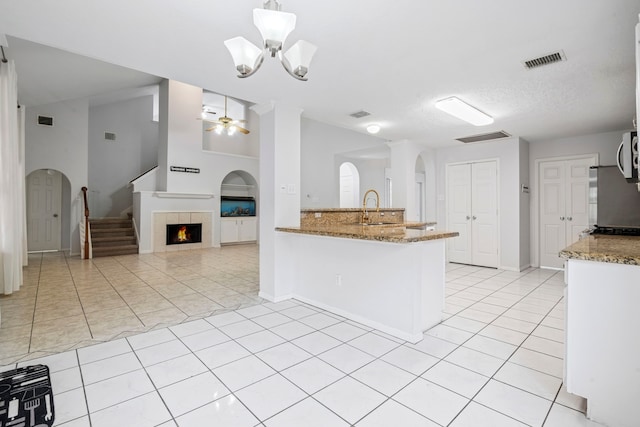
(569, 218)
(474, 217)
(468, 217)
(55, 215)
(561, 218)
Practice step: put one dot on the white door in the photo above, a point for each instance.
(459, 212)
(472, 211)
(484, 219)
(44, 194)
(563, 206)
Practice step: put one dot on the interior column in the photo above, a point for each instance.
(279, 193)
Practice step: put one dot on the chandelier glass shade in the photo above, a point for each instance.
(274, 26)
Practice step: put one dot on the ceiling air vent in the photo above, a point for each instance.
(484, 137)
(360, 114)
(109, 136)
(45, 121)
(545, 60)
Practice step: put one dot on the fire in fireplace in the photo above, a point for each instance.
(184, 233)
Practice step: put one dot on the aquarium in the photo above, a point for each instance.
(237, 206)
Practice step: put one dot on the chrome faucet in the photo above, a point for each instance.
(365, 213)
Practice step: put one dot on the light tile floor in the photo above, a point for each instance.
(496, 360)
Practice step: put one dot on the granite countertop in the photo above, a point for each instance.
(613, 249)
(370, 209)
(393, 233)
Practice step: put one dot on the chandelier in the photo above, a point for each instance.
(274, 26)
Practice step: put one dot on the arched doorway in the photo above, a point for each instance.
(48, 210)
(349, 186)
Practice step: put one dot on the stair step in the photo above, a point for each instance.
(111, 224)
(112, 241)
(115, 250)
(112, 236)
(104, 232)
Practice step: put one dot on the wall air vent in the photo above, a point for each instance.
(484, 137)
(545, 60)
(360, 114)
(45, 121)
(109, 136)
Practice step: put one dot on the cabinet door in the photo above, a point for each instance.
(247, 229)
(228, 230)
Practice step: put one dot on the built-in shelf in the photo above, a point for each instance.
(238, 185)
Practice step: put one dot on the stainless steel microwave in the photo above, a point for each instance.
(628, 156)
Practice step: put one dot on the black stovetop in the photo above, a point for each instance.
(617, 231)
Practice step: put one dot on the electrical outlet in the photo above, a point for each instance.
(318, 214)
(338, 280)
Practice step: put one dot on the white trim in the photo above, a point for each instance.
(535, 191)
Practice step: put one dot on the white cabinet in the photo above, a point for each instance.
(564, 206)
(472, 211)
(234, 230)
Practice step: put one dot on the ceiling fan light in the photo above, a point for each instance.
(231, 130)
(218, 130)
(244, 53)
(274, 26)
(299, 57)
(460, 109)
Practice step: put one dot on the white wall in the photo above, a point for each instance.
(371, 172)
(62, 147)
(605, 144)
(113, 164)
(319, 170)
(508, 154)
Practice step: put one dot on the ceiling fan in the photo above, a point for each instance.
(225, 123)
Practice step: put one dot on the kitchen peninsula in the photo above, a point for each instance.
(602, 348)
(382, 272)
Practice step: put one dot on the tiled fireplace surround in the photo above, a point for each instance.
(161, 219)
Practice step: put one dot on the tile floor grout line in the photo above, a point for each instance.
(35, 302)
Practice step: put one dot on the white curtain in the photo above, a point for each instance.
(12, 179)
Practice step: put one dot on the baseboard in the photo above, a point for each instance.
(272, 298)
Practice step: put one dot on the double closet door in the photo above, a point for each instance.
(472, 211)
(564, 206)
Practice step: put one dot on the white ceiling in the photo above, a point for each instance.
(393, 59)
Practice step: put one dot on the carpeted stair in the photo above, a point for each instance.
(113, 236)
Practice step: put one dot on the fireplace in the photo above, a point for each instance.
(178, 234)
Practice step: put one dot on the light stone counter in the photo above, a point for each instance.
(611, 249)
(407, 232)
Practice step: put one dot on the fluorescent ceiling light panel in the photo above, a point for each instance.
(460, 109)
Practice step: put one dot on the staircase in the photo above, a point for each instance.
(113, 236)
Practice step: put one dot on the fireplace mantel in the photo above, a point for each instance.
(167, 195)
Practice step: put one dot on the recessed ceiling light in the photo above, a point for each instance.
(373, 129)
(460, 109)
